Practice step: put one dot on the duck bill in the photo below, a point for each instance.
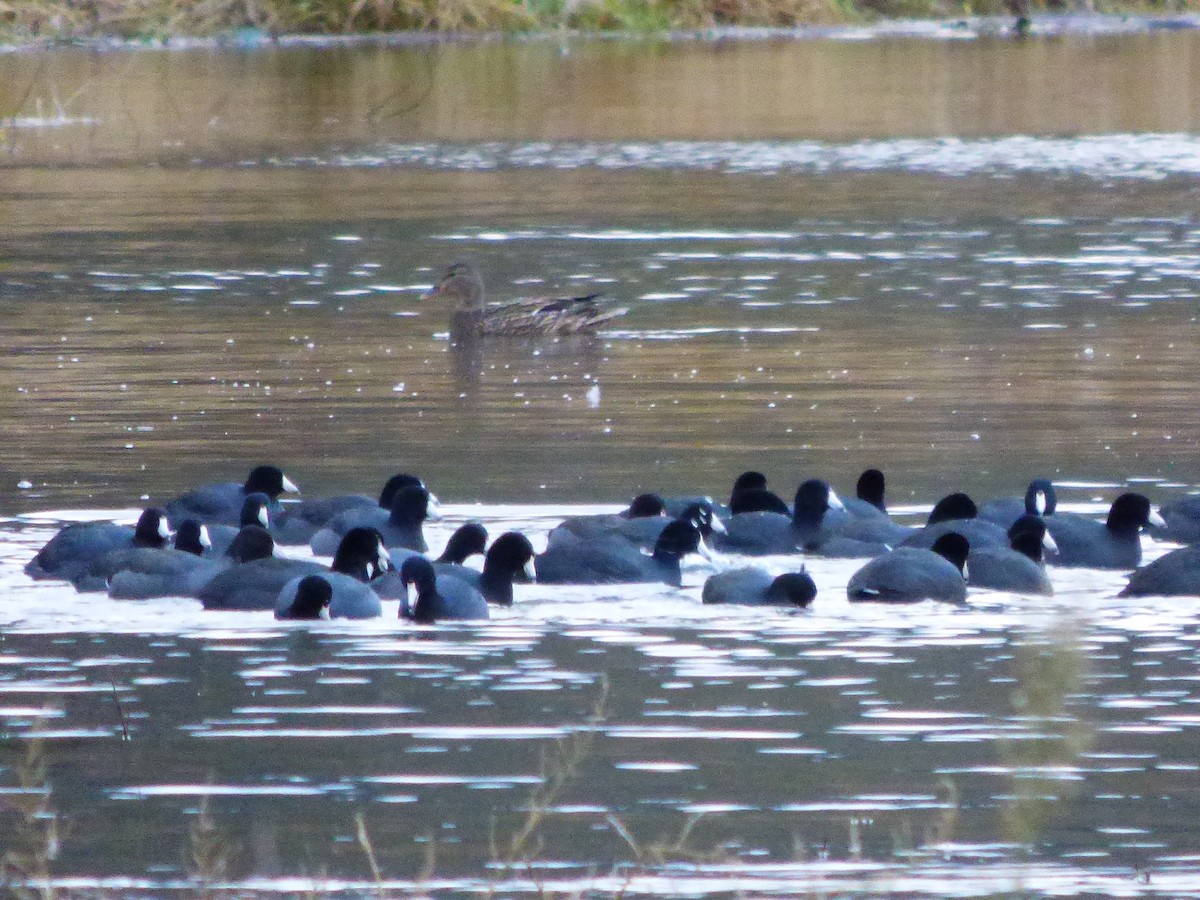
(835, 502)
(264, 518)
(164, 530)
(529, 572)
(205, 540)
(1155, 519)
(717, 526)
(1048, 543)
(289, 486)
(433, 292)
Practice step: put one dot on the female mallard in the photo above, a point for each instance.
(554, 315)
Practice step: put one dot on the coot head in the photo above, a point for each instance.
(748, 481)
(250, 543)
(702, 516)
(151, 529)
(951, 507)
(1028, 535)
(758, 500)
(394, 485)
(954, 548)
(192, 537)
(645, 506)
(511, 553)
(313, 595)
(255, 510)
(361, 554)
(413, 505)
(1040, 498)
(466, 541)
(813, 499)
(1130, 512)
(870, 488)
(268, 480)
(796, 588)
(678, 538)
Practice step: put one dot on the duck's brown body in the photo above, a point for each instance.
(540, 316)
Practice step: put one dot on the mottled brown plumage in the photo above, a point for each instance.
(545, 315)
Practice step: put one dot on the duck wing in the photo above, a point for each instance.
(546, 315)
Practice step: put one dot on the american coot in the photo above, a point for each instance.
(1112, 544)
(146, 574)
(643, 531)
(909, 575)
(473, 316)
(1182, 517)
(643, 506)
(77, 545)
(1174, 574)
(754, 587)
(510, 558)
(957, 513)
(310, 599)
(465, 542)
(868, 499)
(257, 584)
(439, 597)
(350, 598)
(402, 528)
(191, 554)
(762, 533)
(296, 523)
(1017, 568)
(255, 511)
(1040, 500)
(613, 560)
(221, 504)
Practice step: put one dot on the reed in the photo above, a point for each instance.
(23, 20)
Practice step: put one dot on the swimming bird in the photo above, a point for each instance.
(439, 597)
(296, 523)
(402, 527)
(910, 574)
(751, 586)
(868, 499)
(255, 511)
(310, 600)
(510, 558)
(1174, 574)
(221, 504)
(957, 513)
(1040, 500)
(610, 559)
(1182, 516)
(1017, 568)
(809, 527)
(467, 540)
(473, 316)
(77, 545)
(1112, 544)
(144, 574)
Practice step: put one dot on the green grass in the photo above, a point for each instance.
(84, 19)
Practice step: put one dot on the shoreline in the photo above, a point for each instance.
(949, 28)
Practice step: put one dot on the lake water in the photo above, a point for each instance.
(966, 262)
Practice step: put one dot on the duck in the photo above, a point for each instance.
(643, 506)
(310, 600)
(296, 523)
(221, 504)
(642, 531)
(79, 544)
(912, 574)
(1112, 544)
(1040, 500)
(752, 586)
(609, 559)
(439, 597)
(1018, 568)
(474, 316)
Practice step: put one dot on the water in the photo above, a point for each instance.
(966, 262)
